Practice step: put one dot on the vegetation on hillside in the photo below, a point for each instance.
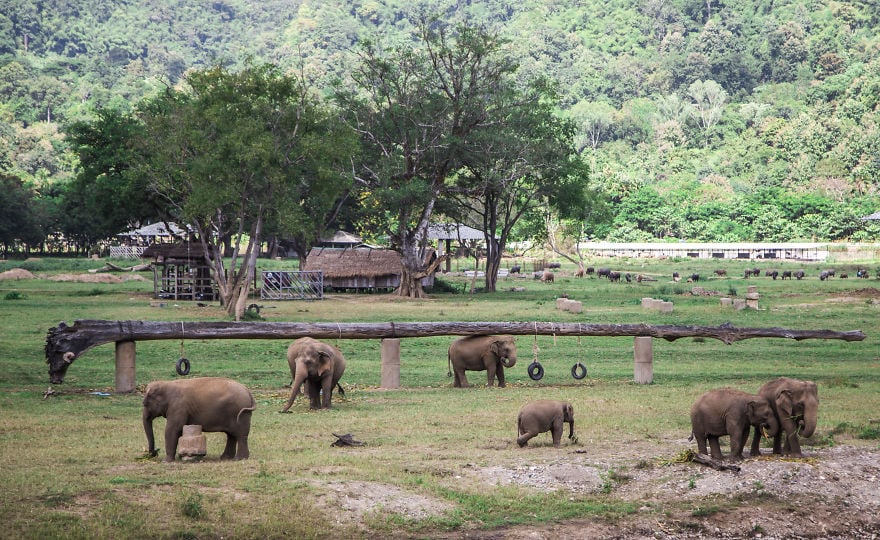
(713, 121)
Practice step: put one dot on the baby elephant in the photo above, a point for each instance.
(544, 415)
(726, 411)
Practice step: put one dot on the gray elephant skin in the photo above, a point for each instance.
(215, 403)
(481, 353)
(796, 404)
(317, 364)
(544, 415)
(727, 411)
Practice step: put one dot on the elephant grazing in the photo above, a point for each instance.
(319, 365)
(478, 353)
(796, 405)
(727, 411)
(215, 403)
(544, 415)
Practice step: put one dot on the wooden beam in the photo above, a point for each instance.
(66, 343)
(85, 334)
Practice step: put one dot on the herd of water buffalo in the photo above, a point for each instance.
(547, 274)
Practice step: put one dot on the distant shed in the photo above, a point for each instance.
(181, 272)
(361, 268)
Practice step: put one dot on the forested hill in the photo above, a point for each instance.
(701, 119)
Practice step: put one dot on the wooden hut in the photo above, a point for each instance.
(361, 268)
(181, 272)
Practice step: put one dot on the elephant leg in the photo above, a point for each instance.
(701, 443)
(460, 378)
(556, 430)
(490, 374)
(524, 437)
(500, 374)
(327, 389)
(737, 442)
(229, 450)
(172, 436)
(243, 450)
(715, 446)
(756, 443)
(314, 395)
(792, 446)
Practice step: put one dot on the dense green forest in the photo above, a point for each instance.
(709, 120)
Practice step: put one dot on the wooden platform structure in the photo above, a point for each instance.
(181, 273)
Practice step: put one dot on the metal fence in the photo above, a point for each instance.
(291, 285)
(126, 252)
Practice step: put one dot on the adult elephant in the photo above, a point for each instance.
(796, 404)
(727, 411)
(479, 353)
(320, 366)
(544, 415)
(215, 403)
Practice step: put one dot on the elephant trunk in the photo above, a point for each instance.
(811, 417)
(571, 429)
(148, 429)
(508, 362)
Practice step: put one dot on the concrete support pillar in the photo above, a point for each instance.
(643, 352)
(125, 373)
(390, 363)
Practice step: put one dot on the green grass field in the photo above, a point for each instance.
(72, 464)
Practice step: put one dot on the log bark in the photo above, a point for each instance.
(85, 334)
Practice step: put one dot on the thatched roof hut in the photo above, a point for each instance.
(361, 268)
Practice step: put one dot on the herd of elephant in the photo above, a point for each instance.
(217, 404)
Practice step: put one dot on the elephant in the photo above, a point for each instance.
(544, 415)
(478, 353)
(319, 365)
(215, 403)
(727, 411)
(796, 405)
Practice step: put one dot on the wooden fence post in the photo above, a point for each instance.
(390, 363)
(125, 372)
(643, 351)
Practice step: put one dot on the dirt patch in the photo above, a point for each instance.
(16, 273)
(351, 502)
(831, 493)
(86, 278)
(867, 292)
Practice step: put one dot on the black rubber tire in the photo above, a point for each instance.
(578, 371)
(536, 371)
(182, 366)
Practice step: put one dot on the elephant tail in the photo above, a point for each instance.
(691, 436)
(449, 364)
(249, 409)
(341, 391)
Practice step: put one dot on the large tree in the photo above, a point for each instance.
(418, 109)
(239, 155)
(528, 161)
(105, 198)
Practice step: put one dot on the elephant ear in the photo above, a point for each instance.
(785, 402)
(324, 361)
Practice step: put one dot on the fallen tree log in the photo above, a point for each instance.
(64, 343)
(85, 334)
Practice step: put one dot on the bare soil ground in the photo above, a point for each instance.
(832, 492)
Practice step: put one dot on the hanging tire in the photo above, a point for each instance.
(182, 366)
(578, 371)
(536, 371)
